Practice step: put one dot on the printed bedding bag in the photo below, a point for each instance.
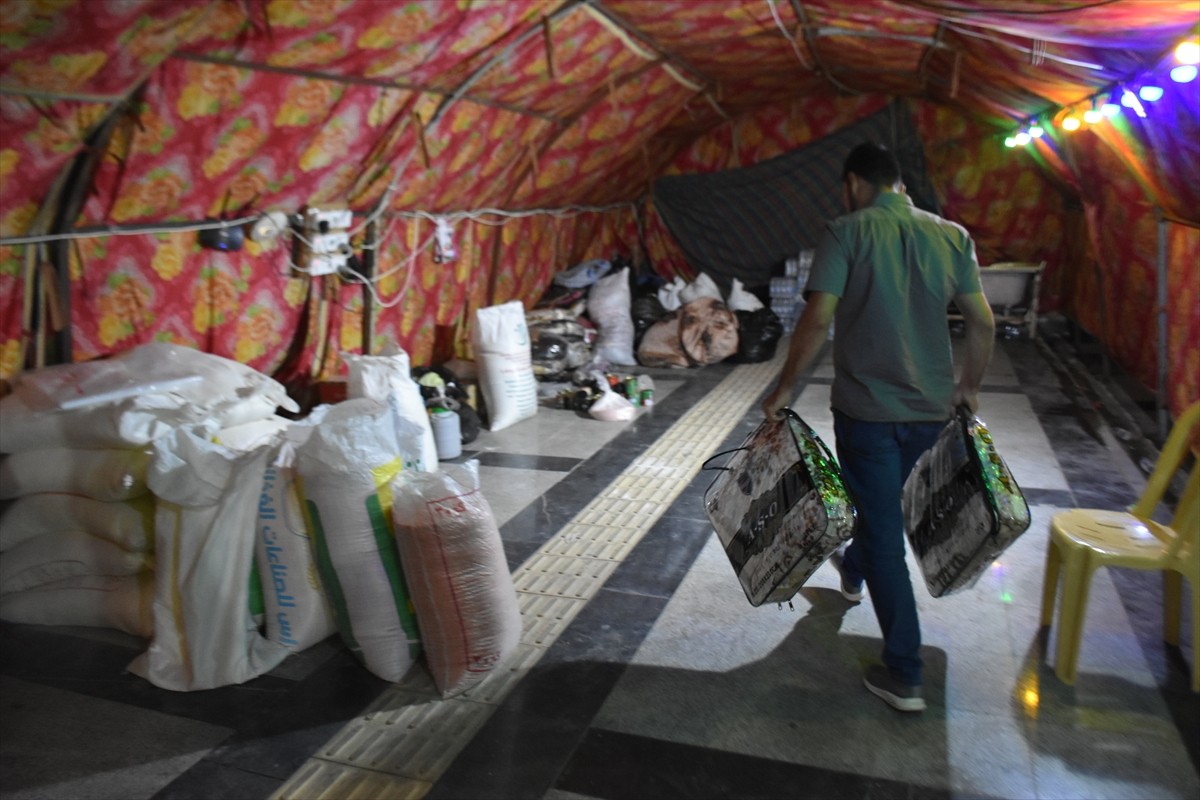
(962, 506)
(779, 508)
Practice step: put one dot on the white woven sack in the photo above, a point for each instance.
(107, 475)
(297, 613)
(346, 469)
(377, 378)
(54, 556)
(128, 524)
(501, 340)
(121, 602)
(608, 306)
(204, 635)
(461, 586)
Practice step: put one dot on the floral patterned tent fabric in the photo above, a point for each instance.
(535, 129)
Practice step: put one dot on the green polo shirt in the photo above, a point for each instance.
(896, 268)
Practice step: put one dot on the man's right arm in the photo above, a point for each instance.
(981, 336)
(811, 333)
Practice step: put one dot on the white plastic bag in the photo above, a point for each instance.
(703, 286)
(669, 295)
(742, 300)
(610, 406)
(461, 586)
(501, 340)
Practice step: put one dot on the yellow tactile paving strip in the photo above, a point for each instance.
(409, 736)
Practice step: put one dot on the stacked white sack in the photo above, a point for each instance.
(75, 542)
(346, 469)
(297, 615)
(80, 438)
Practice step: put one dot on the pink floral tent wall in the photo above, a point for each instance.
(535, 129)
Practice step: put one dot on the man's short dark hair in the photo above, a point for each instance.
(873, 163)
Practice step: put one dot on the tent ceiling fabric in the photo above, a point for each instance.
(619, 85)
(150, 113)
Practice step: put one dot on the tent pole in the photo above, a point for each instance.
(1161, 399)
(368, 271)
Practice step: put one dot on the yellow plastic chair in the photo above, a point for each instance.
(1083, 539)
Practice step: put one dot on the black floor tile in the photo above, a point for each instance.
(616, 766)
(208, 780)
(608, 629)
(521, 749)
(659, 562)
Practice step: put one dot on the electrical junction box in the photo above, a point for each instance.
(326, 246)
(328, 253)
(324, 220)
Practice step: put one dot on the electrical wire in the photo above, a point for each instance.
(95, 233)
(1009, 12)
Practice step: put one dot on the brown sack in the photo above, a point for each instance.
(708, 331)
(660, 346)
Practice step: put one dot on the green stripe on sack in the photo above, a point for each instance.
(329, 576)
(389, 557)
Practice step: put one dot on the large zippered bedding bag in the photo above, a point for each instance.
(779, 508)
(962, 506)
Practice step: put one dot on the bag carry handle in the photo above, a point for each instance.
(705, 466)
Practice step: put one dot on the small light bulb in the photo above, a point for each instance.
(1070, 124)
(1036, 131)
(1022, 138)
(1092, 116)
(1184, 74)
(1188, 52)
(1129, 100)
(1110, 109)
(1150, 93)
(1010, 142)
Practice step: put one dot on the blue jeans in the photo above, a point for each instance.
(875, 458)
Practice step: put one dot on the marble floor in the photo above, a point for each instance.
(654, 678)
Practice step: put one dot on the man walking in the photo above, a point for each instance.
(885, 274)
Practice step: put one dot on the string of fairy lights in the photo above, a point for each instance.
(1131, 96)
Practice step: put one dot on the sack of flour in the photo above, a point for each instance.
(502, 351)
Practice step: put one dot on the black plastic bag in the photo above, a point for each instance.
(759, 333)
